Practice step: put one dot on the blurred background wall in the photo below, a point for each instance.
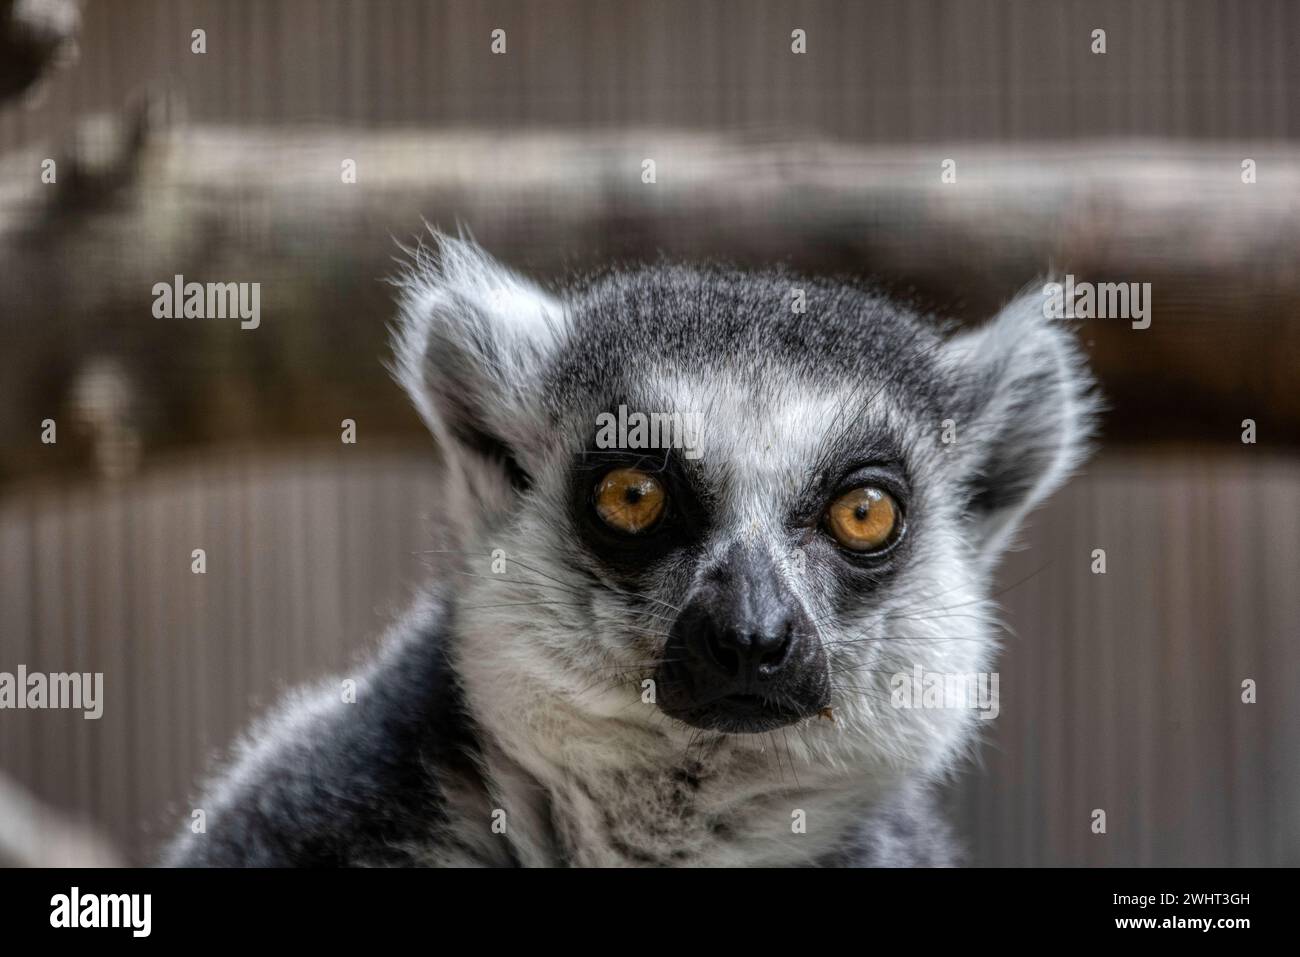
(1119, 691)
(880, 72)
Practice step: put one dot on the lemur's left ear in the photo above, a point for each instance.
(471, 345)
(1026, 398)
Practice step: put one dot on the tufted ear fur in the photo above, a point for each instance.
(472, 342)
(1029, 410)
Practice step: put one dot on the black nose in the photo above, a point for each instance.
(743, 654)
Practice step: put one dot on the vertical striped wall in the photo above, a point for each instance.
(897, 70)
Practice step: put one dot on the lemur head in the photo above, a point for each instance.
(700, 502)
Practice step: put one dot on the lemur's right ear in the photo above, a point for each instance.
(471, 344)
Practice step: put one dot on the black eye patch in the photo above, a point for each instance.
(684, 524)
(853, 580)
(850, 457)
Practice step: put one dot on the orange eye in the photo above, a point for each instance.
(630, 500)
(864, 520)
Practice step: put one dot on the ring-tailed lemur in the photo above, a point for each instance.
(669, 655)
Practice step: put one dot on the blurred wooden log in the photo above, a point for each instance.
(134, 206)
(1123, 208)
(33, 834)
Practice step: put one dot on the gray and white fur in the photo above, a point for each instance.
(506, 720)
